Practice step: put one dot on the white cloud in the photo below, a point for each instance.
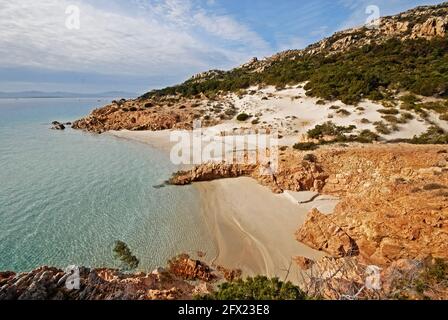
(172, 36)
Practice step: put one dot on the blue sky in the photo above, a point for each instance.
(137, 45)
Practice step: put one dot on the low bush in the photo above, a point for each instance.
(343, 112)
(382, 128)
(258, 288)
(306, 146)
(389, 111)
(242, 117)
(329, 129)
(365, 121)
(434, 135)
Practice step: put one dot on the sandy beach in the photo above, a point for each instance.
(254, 228)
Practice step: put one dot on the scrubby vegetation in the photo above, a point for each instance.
(338, 134)
(242, 117)
(124, 254)
(434, 135)
(429, 282)
(258, 288)
(306, 146)
(329, 129)
(418, 66)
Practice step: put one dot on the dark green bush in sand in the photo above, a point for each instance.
(242, 117)
(329, 129)
(306, 146)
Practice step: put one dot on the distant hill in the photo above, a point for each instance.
(61, 94)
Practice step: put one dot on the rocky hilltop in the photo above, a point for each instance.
(425, 22)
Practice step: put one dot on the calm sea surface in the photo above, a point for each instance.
(65, 197)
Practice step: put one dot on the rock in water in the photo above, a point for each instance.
(57, 126)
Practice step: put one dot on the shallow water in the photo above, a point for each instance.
(65, 197)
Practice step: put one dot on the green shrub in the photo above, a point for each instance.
(389, 111)
(306, 146)
(329, 129)
(367, 136)
(439, 107)
(391, 119)
(410, 99)
(417, 66)
(242, 117)
(406, 116)
(382, 128)
(343, 112)
(434, 135)
(258, 289)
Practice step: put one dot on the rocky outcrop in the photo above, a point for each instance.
(303, 263)
(393, 198)
(321, 233)
(184, 279)
(57, 126)
(433, 27)
(424, 22)
(155, 115)
(293, 174)
(189, 269)
(394, 203)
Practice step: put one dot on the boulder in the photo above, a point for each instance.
(304, 263)
(57, 126)
(321, 233)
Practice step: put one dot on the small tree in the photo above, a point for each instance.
(124, 254)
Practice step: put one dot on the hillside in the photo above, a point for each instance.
(408, 51)
(391, 83)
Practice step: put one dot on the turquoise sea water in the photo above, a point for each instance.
(65, 197)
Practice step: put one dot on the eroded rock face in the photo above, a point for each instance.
(394, 202)
(189, 269)
(321, 233)
(293, 174)
(433, 27)
(48, 283)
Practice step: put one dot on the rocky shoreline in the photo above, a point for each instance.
(393, 198)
